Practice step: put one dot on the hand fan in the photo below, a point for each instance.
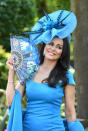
(26, 57)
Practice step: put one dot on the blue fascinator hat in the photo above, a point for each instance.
(60, 23)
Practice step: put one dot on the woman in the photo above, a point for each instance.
(46, 89)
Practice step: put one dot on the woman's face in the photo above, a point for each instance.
(53, 50)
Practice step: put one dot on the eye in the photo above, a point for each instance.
(59, 47)
(50, 43)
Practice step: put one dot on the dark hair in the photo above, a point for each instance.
(59, 71)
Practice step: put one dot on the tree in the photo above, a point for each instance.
(80, 7)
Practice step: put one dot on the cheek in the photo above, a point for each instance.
(59, 52)
(46, 48)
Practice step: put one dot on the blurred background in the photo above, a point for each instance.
(17, 16)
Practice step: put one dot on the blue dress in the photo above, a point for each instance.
(43, 106)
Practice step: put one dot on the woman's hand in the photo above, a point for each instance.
(10, 62)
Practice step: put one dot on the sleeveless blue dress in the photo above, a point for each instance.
(43, 106)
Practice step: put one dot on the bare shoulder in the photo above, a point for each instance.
(20, 88)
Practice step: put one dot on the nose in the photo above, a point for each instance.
(53, 47)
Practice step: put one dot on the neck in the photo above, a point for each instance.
(48, 64)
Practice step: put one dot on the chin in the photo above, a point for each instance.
(51, 58)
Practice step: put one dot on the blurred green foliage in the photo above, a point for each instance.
(15, 17)
(3, 68)
(3, 80)
(71, 50)
(51, 6)
(3, 110)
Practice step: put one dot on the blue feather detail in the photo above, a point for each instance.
(64, 18)
(47, 16)
(58, 19)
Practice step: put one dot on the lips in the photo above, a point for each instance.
(51, 53)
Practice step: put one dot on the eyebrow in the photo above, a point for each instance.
(57, 44)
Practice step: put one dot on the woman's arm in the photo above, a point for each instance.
(10, 90)
(70, 103)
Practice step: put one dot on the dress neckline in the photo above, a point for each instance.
(37, 82)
